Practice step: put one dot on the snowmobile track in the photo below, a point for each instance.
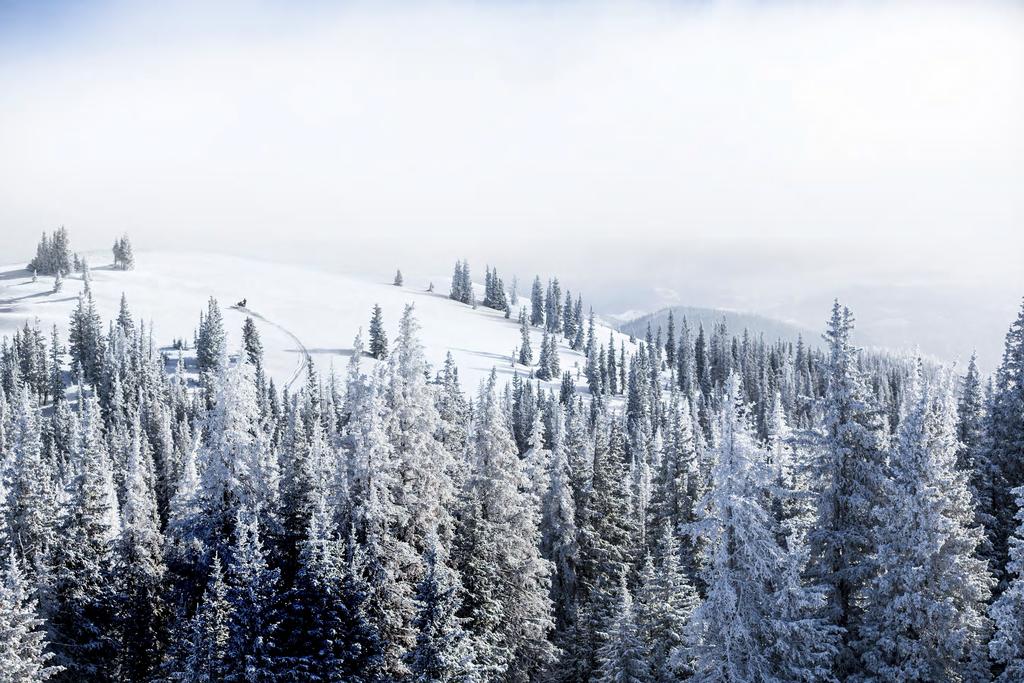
(304, 356)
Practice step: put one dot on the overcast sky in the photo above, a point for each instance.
(764, 157)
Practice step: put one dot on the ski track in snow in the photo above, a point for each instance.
(304, 357)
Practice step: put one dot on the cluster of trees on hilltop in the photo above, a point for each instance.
(54, 255)
(754, 512)
(124, 257)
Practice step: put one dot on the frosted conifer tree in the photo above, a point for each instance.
(210, 343)
(544, 362)
(23, 647)
(852, 475)
(1006, 455)
(140, 572)
(925, 619)
(734, 630)
(507, 606)
(455, 291)
(665, 603)
(975, 445)
(607, 538)
(85, 337)
(378, 338)
(31, 503)
(204, 655)
(328, 635)
(525, 350)
(83, 600)
(1007, 645)
(375, 481)
(559, 534)
(623, 657)
(254, 619)
(537, 303)
(442, 653)
(426, 465)
(237, 465)
(554, 367)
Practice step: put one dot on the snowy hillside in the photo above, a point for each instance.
(297, 311)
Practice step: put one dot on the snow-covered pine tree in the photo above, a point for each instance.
(613, 372)
(507, 607)
(85, 337)
(537, 303)
(31, 482)
(327, 635)
(525, 350)
(559, 534)
(253, 617)
(455, 291)
(210, 349)
(378, 338)
(569, 321)
(490, 284)
(453, 412)
(55, 380)
(203, 654)
(252, 345)
(684, 361)
(623, 657)
(53, 255)
(543, 370)
(750, 597)
(607, 539)
(675, 484)
(304, 466)
(443, 652)
(1007, 433)
(24, 654)
(577, 314)
(468, 296)
(399, 280)
(665, 603)
(501, 300)
(124, 257)
(925, 618)
(568, 388)
(82, 600)
(1007, 645)
(973, 454)
(142, 610)
(850, 483)
(237, 466)
(670, 341)
(426, 488)
(553, 308)
(537, 461)
(376, 514)
(554, 366)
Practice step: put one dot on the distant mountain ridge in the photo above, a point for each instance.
(735, 321)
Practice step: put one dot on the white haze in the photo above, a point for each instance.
(758, 157)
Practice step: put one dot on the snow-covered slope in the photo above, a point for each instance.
(297, 310)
